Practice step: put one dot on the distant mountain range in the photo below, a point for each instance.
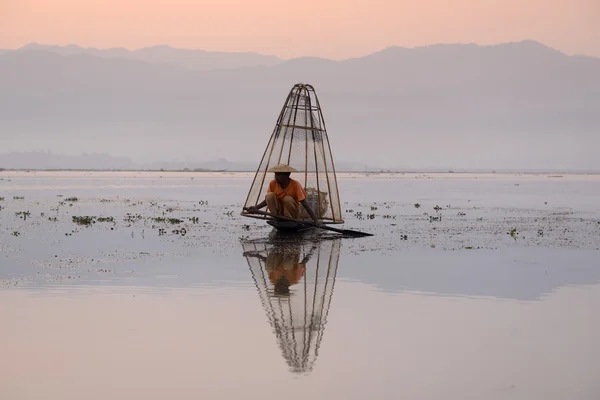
(50, 161)
(105, 162)
(189, 59)
(508, 106)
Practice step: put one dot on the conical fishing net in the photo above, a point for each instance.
(300, 140)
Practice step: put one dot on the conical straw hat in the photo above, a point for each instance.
(282, 168)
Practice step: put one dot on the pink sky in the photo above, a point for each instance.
(325, 28)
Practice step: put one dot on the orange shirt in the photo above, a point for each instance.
(294, 189)
(292, 275)
(286, 264)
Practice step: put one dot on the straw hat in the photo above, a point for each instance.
(282, 168)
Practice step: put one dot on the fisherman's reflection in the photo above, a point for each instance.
(295, 282)
(284, 267)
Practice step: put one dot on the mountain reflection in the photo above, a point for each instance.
(295, 281)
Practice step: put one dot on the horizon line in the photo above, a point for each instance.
(237, 165)
(391, 46)
(374, 171)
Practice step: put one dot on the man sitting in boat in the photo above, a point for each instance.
(285, 195)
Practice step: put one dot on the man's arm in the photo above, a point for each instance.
(307, 257)
(262, 204)
(310, 211)
(257, 207)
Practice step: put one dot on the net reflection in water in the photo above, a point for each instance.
(295, 282)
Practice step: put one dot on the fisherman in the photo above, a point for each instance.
(285, 195)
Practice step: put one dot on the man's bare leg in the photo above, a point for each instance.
(273, 204)
(290, 207)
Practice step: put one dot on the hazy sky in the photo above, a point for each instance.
(326, 28)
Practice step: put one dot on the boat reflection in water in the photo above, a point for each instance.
(295, 281)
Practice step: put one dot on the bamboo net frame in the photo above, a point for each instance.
(300, 140)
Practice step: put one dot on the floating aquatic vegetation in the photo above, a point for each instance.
(87, 220)
(84, 221)
(23, 214)
(172, 221)
(132, 217)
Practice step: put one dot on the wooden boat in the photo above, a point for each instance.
(300, 140)
(289, 226)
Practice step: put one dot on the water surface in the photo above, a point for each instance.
(460, 309)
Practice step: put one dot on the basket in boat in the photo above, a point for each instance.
(317, 200)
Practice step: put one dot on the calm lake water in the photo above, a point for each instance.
(498, 299)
